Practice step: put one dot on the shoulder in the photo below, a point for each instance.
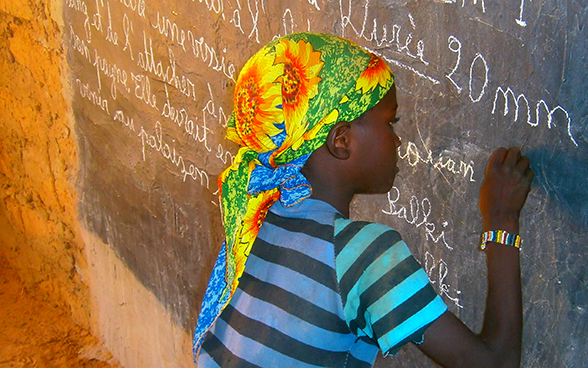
(386, 293)
(361, 245)
(362, 234)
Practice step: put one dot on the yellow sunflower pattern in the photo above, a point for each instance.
(376, 73)
(257, 100)
(299, 84)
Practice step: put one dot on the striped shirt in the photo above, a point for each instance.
(320, 290)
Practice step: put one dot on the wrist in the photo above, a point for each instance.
(501, 237)
(503, 222)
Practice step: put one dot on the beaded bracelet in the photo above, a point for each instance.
(501, 237)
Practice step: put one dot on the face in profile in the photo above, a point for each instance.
(376, 146)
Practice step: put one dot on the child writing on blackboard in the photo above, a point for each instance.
(299, 284)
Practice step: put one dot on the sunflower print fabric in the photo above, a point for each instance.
(287, 98)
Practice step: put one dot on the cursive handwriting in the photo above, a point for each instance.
(156, 142)
(92, 95)
(409, 151)
(439, 278)
(413, 213)
(540, 107)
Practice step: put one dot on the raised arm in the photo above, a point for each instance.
(448, 341)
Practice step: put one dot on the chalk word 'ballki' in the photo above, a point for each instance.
(413, 214)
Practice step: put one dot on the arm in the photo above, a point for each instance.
(448, 341)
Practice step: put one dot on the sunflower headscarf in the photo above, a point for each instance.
(287, 98)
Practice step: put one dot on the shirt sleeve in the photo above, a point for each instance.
(386, 294)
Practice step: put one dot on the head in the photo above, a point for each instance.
(360, 156)
(291, 97)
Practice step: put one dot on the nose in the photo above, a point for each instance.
(397, 140)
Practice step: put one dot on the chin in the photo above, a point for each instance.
(385, 188)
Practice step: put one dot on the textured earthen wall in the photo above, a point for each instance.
(39, 230)
(41, 236)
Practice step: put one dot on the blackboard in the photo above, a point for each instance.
(152, 90)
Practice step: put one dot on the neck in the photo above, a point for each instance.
(337, 199)
(329, 181)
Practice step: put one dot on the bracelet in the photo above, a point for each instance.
(501, 237)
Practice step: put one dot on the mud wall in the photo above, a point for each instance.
(39, 231)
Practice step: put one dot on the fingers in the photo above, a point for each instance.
(523, 163)
(510, 160)
(497, 158)
(506, 185)
(523, 166)
(512, 156)
(529, 175)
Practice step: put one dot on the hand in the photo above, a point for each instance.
(505, 189)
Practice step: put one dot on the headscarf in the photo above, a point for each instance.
(287, 98)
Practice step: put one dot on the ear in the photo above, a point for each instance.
(338, 140)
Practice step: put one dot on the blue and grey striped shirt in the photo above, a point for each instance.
(320, 290)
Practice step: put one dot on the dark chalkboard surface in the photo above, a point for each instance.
(152, 89)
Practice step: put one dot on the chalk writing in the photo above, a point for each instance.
(409, 68)
(111, 35)
(137, 6)
(179, 116)
(102, 65)
(156, 142)
(79, 45)
(112, 71)
(456, 48)
(92, 95)
(483, 89)
(314, 2)
(97, 17)
(454, 45)
(216, 6)
(152, 84)
(254, 19)
(539, 107)
(402, 43)
(199, 132)
(439, 278)
(236, 19)
(146, 60)
(211, 109)
(412, 215)
(520, 20)
(80, 6)
(170, 30)
(127, 30)
(208, 54)
(183, 119)
(127, 121)
(143, 90)
(288, 14)
(409, 151)
(463, 2)
(224, 155)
